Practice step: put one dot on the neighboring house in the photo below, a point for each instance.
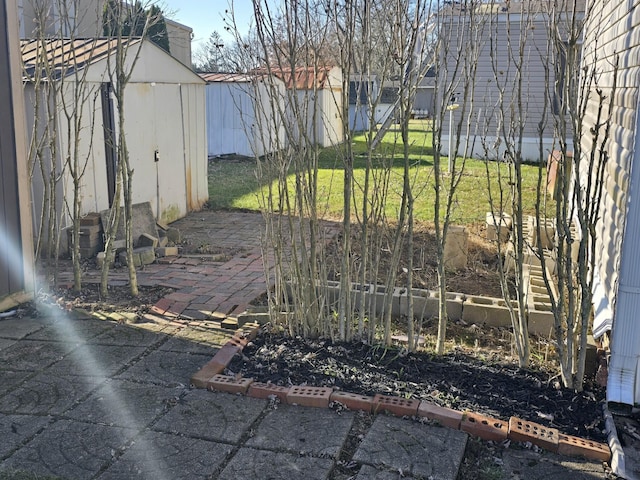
(241, 118)
(16, 245)
(179, 41)
(84, 19)
(424, 100)
(500, 30)
(164, 121)
(612, 36)
(319, 95)
(387, 100)
(362, 94)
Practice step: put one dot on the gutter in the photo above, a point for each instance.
(617, 453)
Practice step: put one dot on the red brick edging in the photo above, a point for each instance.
(516, 429)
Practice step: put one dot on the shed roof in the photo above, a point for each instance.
(65, 55)
(228, 77)
(304, 78)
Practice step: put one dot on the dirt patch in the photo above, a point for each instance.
(480, 277)
(463, 379)
(119, 298)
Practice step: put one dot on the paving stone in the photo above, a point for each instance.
(70, 450)
(75, 331)
(163, 456)
(250, 464)
(125, 404)
(212, 416)
(530, 465)
(15, 429)
(11, 378)
(18, 328)
(96, 360)
(197, 340)
(417, 449)
(303, 430)
(367, 472)
(34, 355)
(123, 334)
(6, 342)
(47, 394)
(172, 369)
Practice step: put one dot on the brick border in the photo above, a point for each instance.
(487, 428)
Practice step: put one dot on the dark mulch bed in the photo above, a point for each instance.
(456, 380)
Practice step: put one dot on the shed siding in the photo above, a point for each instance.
(16, 248)
(613, 37)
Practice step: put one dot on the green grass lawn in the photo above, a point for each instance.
(233, 183)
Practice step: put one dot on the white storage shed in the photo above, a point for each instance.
(242, 118)
(164, 122)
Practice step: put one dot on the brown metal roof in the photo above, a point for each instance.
(65, 56)
(228, 77)
(303, 78)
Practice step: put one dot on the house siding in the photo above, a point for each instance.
(505, 96)
(612, 37)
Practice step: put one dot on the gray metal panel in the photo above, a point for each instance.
(11, 267)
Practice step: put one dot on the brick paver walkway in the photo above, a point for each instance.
(207, 286)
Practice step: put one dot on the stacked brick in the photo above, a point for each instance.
(90, 235)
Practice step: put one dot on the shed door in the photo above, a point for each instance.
(11, 267)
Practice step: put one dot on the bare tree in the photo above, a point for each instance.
(125, 52)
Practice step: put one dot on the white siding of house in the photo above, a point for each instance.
(487, 105)
(614, 31)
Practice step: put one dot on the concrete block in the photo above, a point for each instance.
(229, 323)
(486, 310)
(174, 235)
(541, 323)
(456, 247)
(498, 226)
(100, 258)
(163, 241)
(146, 240)
(167, 251)
(90, 219)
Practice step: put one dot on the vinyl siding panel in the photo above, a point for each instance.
(510, 86)
(612, 41)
